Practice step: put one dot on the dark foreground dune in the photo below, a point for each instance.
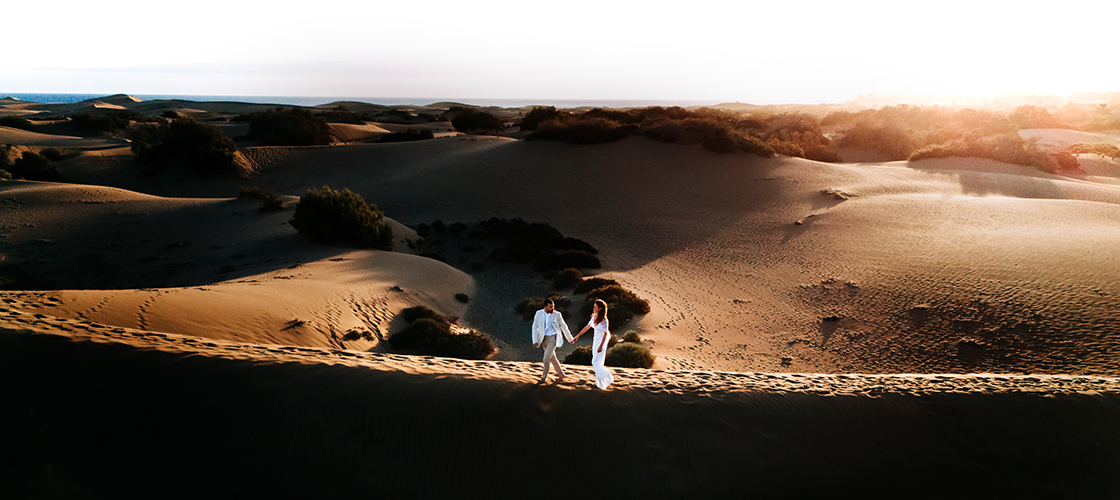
(96, 411)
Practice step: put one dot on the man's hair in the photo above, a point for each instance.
(549, 301)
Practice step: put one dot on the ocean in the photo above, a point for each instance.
(388, 101)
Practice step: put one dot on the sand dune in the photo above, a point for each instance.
(347, 132)
(937, 329)
(115, 412)
(939, 266)
(17, 137)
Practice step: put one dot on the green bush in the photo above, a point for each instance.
(434, 338)
(567, 278)
(619, 295)
(201, 145)
(287, 127)
(341, 217)
(622, 304)
(270, 200)
(629, 355)
(632, 337)
(579, 356)
(590, 284)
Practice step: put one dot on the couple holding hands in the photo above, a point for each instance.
(548, 326)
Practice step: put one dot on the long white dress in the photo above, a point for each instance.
(603, 377)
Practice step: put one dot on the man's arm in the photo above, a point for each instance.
(564, 328)
(537, 323)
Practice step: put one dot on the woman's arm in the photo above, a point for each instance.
(581, 331)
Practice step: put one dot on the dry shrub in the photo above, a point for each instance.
(341, 217)
(629, 355)
(580, 130)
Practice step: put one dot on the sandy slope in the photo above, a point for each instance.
(941, 266)
(17, 137)
(101, 411)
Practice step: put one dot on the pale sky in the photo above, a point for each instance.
(763, 52)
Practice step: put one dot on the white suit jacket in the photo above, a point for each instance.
(558, 320)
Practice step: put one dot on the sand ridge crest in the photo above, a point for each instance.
(14, 321)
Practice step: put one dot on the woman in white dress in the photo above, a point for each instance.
(603, 377)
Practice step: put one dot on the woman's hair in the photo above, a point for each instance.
(602, 311)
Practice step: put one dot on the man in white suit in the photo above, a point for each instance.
(548, 325)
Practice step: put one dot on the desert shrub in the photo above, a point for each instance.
(567, 278)
(670, 132)
(201, 145)
(5, 175)
(476, 120)
(52, 154)
(33, 167)
(462, 297)
(423, 229)
(471, 344)
(632, 337)
(629, 355)
(590, 284)
(785, 148)
(411, 314)
(722, 144)
(408, 136)
(342, 115)
(752, 144)
(622, 304)
(270, 200)
(1028, 116)
(1007, 148)
(1064, 161)
(114, 122)
(561, 260)
(579, 356)
(287, 127)
(894, 139)
(356, 334)
(580, 130)
(539, 115)
(529, 306)
(1100, 149)
(16, 122)
(435, 338)
(343, 217)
